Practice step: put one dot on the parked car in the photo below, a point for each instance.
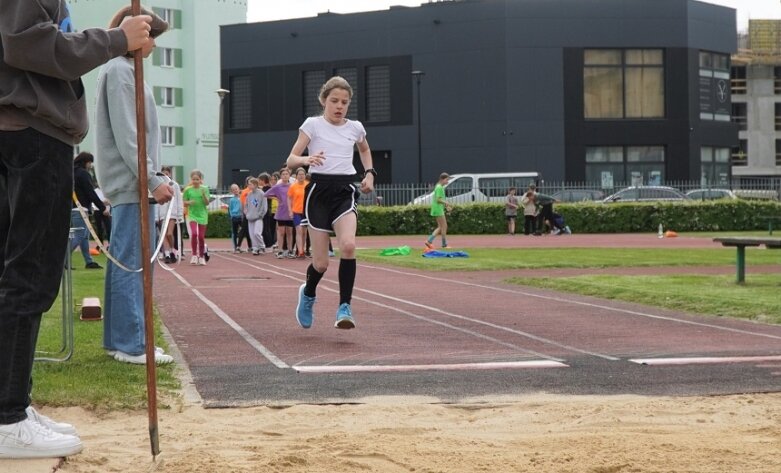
(468, 188)
(578, 195)
(647, 194)
(711, 194)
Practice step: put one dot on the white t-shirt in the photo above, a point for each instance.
(337, 143)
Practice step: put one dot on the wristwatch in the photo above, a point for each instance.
(370, 171)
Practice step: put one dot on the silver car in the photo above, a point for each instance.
(647, 194)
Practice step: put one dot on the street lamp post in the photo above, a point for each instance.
(221, 93)
(418, 75)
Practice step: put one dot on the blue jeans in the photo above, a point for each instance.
(36, 182)
(80, 237)
(123, 321)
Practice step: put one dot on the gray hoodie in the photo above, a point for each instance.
(255, 205)
(41, 62)
(116, 149)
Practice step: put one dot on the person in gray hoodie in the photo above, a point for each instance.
(255, 208)
(116, 167)
(42, 116)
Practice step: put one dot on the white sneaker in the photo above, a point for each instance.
(194, 260)
(201, 261)
(49, 423)
(29, 439)
(160, 358)
(111, 353)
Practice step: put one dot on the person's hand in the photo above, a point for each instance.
(449, 207)
(107, 213)
(136, 29)
(163, 193)
(367, 184)
(314, 159)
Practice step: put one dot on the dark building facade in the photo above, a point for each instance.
(578, 90)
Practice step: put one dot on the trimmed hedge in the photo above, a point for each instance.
(485, 218)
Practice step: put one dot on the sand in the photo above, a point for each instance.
(539, 433)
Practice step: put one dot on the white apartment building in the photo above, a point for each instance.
(184, 71)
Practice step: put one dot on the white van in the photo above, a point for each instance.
(489, 187)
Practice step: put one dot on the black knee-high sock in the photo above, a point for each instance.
(312, 279)
(346, 280)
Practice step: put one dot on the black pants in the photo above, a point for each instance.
(36, 181)
(529, 226)
(244, 233)
(236, 230)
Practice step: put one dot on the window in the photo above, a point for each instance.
(778, 116)
(166, 96)
(240, 102)
(638, 165)
(714, 166)
(171, 16)
(778, 152)
(168, 57)
(462, 185)
(715, 86)
(378, 94)
(739, 155)
(739, 115)
(777, 80)
(350, 74)
(313, 81)
(738, 80)
(623, 83)
(167, 136)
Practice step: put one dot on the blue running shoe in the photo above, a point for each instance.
(304, 313)
(344, 317)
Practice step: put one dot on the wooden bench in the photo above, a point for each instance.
(741, 243)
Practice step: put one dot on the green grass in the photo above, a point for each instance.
(757, 299)
(485, 259)
(91, 378)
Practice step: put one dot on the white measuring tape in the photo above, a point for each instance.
(106, 251)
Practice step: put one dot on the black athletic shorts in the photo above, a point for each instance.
(329, 197)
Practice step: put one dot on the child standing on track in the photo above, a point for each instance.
(438, 206)
(330, 198)
(236, 213)
(295, 201)
(196, 198)
(255, 208)
(283, 215)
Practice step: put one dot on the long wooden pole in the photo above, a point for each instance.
(146, 248)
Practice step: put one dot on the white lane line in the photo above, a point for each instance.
(704, 360)
(437, 322)
(587, 304)
(433, 367)
(232, 323)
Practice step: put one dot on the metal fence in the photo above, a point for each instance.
(405, 194)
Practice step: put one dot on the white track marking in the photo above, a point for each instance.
(441, 367)
(231, 323)
(704, 360)
(582, 303)
(432, 321)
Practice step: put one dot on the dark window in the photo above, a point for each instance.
(350, 74)
(240, 102)
(739, 115)
(623, 83)
(778, 115)
(313, 81)
(738, 79)
(378, 94)
(638, 165)
(777, 79)
(739, 155)
(778, 152)
(714, 166)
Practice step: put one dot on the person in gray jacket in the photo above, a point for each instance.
(116, 167)
(255, 208)
(42, 116)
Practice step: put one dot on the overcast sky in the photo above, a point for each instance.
(267, 10)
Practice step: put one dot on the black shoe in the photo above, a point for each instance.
(93, 265)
